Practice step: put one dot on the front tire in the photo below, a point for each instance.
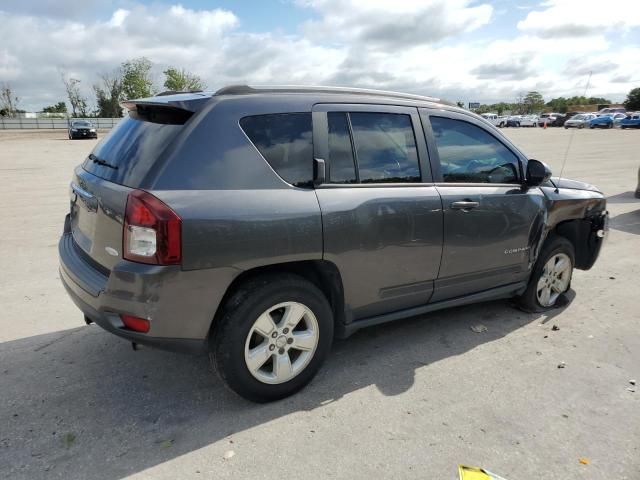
(272, 336)
(551, 276)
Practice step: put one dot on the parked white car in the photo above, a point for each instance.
(547, 118)
(529, 121)
(495, 119)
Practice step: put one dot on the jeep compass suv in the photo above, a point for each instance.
(257, 224)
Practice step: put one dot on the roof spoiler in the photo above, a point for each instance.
(187, 101)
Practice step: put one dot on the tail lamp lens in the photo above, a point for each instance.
(152, 231)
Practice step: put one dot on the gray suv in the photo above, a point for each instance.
(257, 224)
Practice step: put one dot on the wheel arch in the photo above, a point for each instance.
(582, 235)
(322, 273)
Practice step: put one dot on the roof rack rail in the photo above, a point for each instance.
(176, 92)
(247, 89)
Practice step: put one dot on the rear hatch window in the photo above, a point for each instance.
(127, 154)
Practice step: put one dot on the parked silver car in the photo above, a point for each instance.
(579, 121)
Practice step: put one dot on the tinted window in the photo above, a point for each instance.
(133, 146)
(285, 141)
(385, 147)
(470, 154)
(341, 165)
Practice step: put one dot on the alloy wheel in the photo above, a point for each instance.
(554, 279)
(281, 342)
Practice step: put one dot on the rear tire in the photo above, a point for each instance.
(260, 348)
(551, 276)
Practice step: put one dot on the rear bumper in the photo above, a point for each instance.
(112, 323)
(180, 305)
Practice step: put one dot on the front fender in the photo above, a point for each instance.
(581, 217)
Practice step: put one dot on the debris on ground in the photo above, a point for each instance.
(479, 328)
(632, 382)
(68, 439)
(555, 328)
(631, 389)
(562, 365)
(583, 461)
(476, 473)
(229, 454)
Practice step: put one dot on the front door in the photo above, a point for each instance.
(381, 215)
(490, 219)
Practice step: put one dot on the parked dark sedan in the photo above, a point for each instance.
(82, 129)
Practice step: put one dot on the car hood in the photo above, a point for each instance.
(574, 184)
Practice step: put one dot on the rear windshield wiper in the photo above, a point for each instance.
(99, 161)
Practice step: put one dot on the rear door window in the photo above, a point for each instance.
(469, 154)
(385, 147)
(285, 141)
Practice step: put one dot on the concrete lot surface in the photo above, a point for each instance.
(407, 400)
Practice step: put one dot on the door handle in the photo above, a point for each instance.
(464, 205)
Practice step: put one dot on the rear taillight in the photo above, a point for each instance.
(152, 231)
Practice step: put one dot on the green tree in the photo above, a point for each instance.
(59, 107)
(460, 103)
(109, 94)
(559, 104)
(179, 80)
(533, 102)
(136, 78)
(633, 100)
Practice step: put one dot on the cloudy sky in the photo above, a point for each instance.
(469, 50)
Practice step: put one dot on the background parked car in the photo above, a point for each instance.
(495, 119)
(82, 129)
(561, 118)
(547, 118)
(606, 120)
(631, 121)
(613, 110)
(529, 121)
(601, 121)
(513, 121)
(579, 121)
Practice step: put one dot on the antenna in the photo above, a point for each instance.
(566, 153)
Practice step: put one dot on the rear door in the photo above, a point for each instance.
(490, 219)
(381, 214)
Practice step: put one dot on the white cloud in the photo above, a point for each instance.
(385, 24)
(575, 18)
(419, 47)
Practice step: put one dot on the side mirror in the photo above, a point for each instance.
(537, 173)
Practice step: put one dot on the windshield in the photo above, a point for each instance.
(81, 124)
